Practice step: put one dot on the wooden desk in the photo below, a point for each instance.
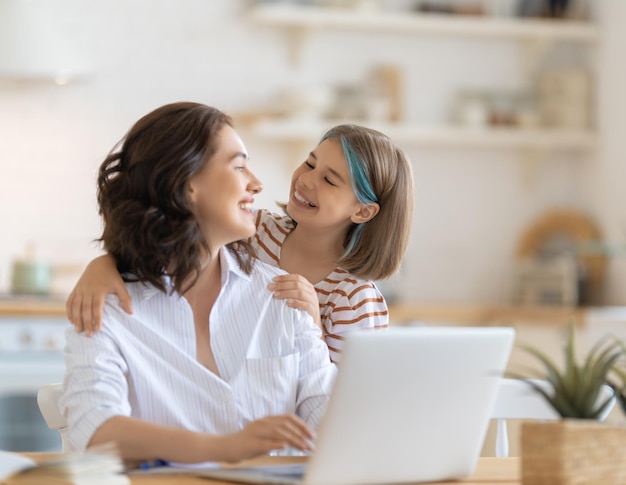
(490, 471)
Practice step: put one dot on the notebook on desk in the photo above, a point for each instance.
(411, 404)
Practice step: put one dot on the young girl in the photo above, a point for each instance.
(348, 223)
(192, 375)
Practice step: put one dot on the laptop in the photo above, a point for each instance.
(411, 404)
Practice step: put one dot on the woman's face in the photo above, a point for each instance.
(321, 192)
(222, 193)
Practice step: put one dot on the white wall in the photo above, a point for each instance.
(471, 205)
(607, 174)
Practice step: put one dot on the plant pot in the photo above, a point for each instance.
(573, 451)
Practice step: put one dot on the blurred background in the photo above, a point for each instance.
(512, 113)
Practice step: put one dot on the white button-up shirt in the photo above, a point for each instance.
(271, 360)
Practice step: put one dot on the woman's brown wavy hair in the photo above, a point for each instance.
(149, 225)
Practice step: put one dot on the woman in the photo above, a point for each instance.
(347, 223)
(209, 367)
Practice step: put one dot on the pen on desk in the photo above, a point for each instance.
(146, 465)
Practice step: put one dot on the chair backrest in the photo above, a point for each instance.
(48, 401)
(516, 399)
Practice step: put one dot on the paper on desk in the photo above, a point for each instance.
(202, 466)
(174, 468)
(97, 465)
(11, 463)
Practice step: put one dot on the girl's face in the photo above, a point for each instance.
(321, 191)
(222, 193)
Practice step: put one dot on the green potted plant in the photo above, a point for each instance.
(578, 448)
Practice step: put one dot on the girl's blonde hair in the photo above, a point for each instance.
(381, 173)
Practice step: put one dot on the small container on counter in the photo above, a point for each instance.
(31, 275)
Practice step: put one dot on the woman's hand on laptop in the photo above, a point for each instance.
(267, 434)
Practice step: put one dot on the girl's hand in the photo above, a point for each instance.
(267, 434)
(299, 293)
(86, 301)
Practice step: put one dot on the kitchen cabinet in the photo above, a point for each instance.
(32, 338)
(537, 35)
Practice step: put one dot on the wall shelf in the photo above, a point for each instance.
(311, 17)
(535, 34)
(416, 135)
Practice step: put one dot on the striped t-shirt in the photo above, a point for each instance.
(347, 303)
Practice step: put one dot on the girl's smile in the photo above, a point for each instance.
(321, 189)
(302, 200)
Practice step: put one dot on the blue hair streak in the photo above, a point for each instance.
(360, 183)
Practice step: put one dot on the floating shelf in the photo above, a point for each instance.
(536, 33)
(311, 17)
(416, 135)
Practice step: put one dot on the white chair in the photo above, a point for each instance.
(516, 399)
(48, 400)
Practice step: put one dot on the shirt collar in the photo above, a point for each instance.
(228, 262)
